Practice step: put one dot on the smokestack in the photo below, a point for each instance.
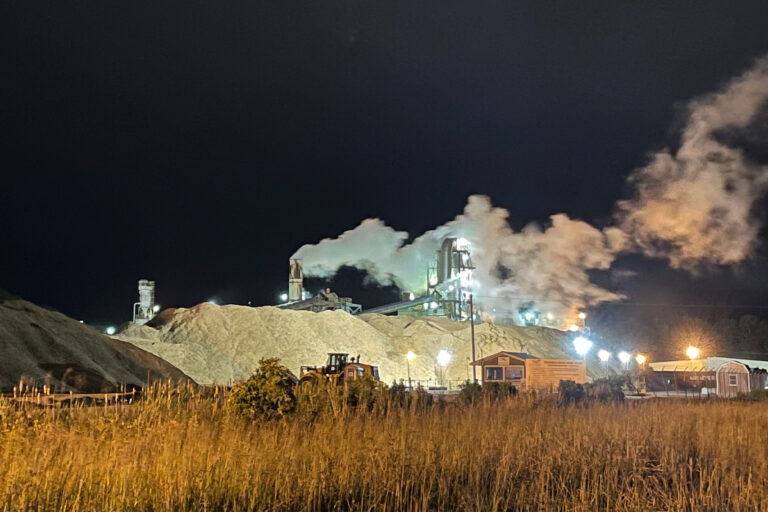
(295, 280)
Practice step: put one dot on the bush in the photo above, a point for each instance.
(470, 393)
(569, 392)
(362, 391)
(756, 395)
(608, 389)
(268, 393)
(473, 392)
(498, 390)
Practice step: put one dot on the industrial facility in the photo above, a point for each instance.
(145, 309)
(446, 290)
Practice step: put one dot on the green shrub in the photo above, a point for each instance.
(569, 392)
(362, 392)
(498, 390)
(607, 389)
(470, 393)
(268, 393)
(473, 392)
(756, 395)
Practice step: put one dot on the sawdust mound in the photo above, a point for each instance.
(46, 347)
(220, 344)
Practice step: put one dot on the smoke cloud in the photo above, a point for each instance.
(546, 265)
(694, 206)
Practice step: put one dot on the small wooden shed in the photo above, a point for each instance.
(732, 378)
(528, 372)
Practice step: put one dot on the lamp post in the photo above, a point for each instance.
(582, 346)
(624, 357)
(443, 358)
(410, 356)
(472, 331)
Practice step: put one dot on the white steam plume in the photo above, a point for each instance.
(547, 265)
(693, 207)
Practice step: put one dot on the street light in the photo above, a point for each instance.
(443, 358)
(641, 359)
(582, 315)
(692, 352)
(604, 355)
(624, 357)
(111, 330)
(582, 345)
(284, 297)
(156, 308)
(410, 356)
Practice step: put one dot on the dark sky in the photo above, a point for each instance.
(201, 143)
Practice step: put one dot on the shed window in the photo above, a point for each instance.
(513, 373)
(493, 373)
(733, 380)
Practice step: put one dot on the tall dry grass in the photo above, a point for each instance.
(180, 451)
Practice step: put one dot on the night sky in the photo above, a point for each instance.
(200, 144)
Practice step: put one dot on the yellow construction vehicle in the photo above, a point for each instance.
(339, 368)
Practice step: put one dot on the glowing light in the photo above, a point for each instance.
(450, 288)
(111, 330)
(692, 352)
(443, 358)
(283, 297)
(573, 328)
(462, 243)
(410, 355)
(604, 355)
(433, 281)
(156, 308)
(582, 315)
(582, 345)
(529, 316)
(641, 359)
(212, 301)
(550, 316)
(411, 296)
(425, 306)
(624, 357)
(433, 305)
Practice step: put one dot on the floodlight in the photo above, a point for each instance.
(443, 358)
(604, 355)
(582, 345)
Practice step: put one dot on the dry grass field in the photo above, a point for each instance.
(179, 451)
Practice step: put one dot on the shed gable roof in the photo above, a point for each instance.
(517, 355)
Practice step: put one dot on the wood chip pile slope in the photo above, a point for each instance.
(221, 344)
(44, 346)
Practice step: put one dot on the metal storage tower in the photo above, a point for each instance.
(144, 310)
